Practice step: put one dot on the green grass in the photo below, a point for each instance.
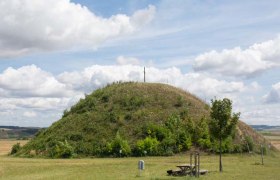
(235, 167)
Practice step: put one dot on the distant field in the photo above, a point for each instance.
(275, 140)
(238, 166)
(273, 136)
(6, 145)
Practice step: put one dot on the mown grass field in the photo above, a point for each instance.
(6, 145)
(273, 136)
(238, 166)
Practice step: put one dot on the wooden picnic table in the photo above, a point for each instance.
(186, 169)
(189, 169)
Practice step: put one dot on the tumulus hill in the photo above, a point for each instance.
(131, 118)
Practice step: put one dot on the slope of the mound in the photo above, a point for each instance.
(120, 108)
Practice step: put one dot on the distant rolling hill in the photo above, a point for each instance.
(265, 127)
(16, 132)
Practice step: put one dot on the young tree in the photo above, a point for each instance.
(223, 122)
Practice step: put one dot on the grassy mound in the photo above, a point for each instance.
(125, 119)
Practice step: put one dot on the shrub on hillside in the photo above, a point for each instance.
(156, 131)
(148, 146)
(237, 148)
(173, 122)
(84, 105)
(201, 136)
(59, 149)
(16, 147)
(132, 102)
(119, 147)
(180, 132)
(166, 139)
(227, 146)
(248, 144)
(75, 136)
(180, 101)
(105, 98)
(183, 141)
(111, 117)
(167, 145)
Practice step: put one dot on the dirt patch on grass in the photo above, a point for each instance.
(6, 145)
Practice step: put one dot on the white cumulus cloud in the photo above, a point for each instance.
(121, 60)
(40, 25)
(31, 89)
(33, 103)
(30, 114)
(274, 95)
(97, 76)
(32, 81)
(262, 114)
(237, 62)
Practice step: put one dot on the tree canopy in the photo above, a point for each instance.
(223, 121)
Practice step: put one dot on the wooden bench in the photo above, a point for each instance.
(203, 171)
(174, 172)
(178, 172)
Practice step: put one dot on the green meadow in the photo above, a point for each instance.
(236, 166)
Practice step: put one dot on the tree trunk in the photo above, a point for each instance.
(221, 167)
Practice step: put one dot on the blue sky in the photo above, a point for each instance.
(53, 52)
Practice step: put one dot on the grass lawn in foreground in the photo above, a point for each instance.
(235, 167)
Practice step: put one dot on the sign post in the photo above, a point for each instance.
(141, 166)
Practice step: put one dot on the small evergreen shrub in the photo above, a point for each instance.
(16, 147)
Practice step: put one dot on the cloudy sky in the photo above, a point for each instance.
(52, 52)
